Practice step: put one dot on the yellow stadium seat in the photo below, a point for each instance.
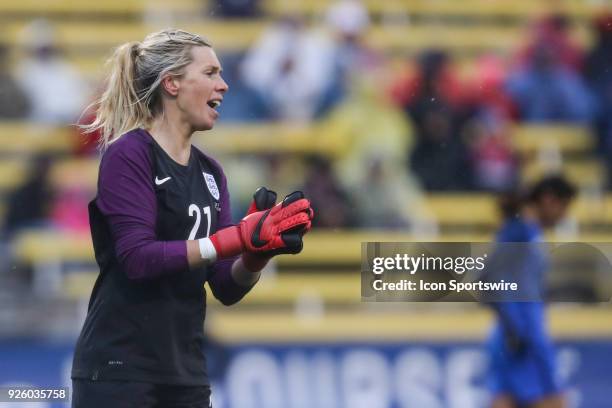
(583, 173)
(401, 323)
(567, 138)
(12, 173)
(473, 8)
(463, 209)
(40, 247)
(81, 173)
(478, 8)
(89, 44)
(284, 288)
(25, 138)
(278, 138)
(34, 8)
(455, 39)
(323, 249)
(77, 285)
(593, 210)
(100, 38)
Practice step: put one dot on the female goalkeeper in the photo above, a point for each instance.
(161, 228)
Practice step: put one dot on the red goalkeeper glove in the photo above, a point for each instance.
(263, 199)
(270, 232)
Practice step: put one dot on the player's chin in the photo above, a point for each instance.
(208, 126)
(205, 124)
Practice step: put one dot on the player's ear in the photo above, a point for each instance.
(170, 84)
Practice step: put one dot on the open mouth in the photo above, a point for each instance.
(214, 103)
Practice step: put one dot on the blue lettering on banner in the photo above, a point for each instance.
(385, 375)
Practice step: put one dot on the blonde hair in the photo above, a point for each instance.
(132, 95)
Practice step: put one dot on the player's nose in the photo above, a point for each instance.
(222, 86)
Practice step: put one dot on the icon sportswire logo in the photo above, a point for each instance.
(162, 181)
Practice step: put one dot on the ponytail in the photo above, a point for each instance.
(130, 99)
(119, 108)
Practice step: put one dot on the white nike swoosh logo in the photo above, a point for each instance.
(162, 181)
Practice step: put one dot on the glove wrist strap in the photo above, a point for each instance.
(227, 242)
(207, 250)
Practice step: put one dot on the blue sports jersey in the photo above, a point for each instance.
(521, 353)
(532, 264)
(519, 230)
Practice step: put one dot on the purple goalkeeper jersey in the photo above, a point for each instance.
(147, 309)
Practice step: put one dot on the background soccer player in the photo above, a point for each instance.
(521, 352)
(161, 228)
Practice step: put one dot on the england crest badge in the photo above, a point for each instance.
(211, 184)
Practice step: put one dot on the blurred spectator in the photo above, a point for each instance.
(440, 158)
(329, 200)
(284, 172)
(56, 90)
(598, 73)
(487, 92)
(381, 203)
(13, 102)
(366, 126)
(348, 21)
(244, 103)
(235, 8)
(300, 74)
(69, 210)
(493, 159)
(289, 69)
(434, 79)
(28, 205)
(553, 31)
(73, 183)
(374, 138)
(435, 101)
(86, 143)
(545, 90)
(495, 163)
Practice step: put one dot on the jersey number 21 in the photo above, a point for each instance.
(194, 210)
